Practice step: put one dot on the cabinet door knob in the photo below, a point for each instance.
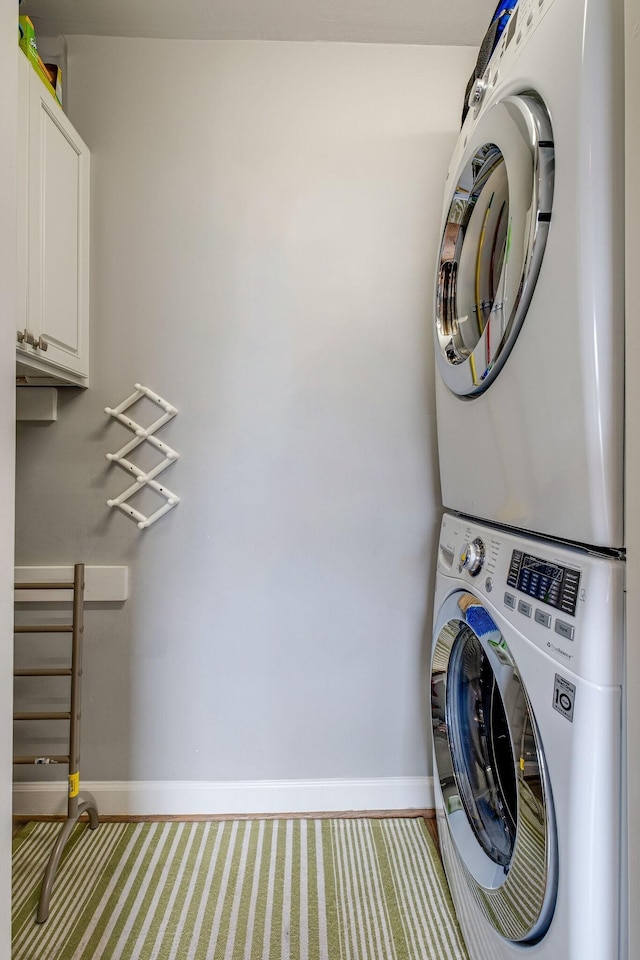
(25, 336)
(41, 344)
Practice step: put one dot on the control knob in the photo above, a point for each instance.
(472, 556)
(477, 92)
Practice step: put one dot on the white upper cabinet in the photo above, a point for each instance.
(53, 239)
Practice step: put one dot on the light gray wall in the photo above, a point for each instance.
(264, 227)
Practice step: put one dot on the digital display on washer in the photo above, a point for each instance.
(544, 581)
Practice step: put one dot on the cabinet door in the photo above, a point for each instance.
(22, 168)
(58, 234)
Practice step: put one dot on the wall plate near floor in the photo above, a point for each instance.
(37, 404)
(102, 584)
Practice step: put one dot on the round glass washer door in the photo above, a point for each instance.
(492, 772)
(493, 239)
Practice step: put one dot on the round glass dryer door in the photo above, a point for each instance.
(493, 239)
(492, 772)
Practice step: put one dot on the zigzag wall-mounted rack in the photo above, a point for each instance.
(143, 477)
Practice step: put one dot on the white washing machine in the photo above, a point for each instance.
(526, 695)
(529, 328)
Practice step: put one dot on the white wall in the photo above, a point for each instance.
(264, 234)
(8, 99)
(632, 448)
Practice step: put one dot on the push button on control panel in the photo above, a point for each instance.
(524, 607)
(565, 630)
(543, 618)
(510, 601)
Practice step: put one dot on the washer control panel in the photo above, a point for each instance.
(523, 22)
(564, 600)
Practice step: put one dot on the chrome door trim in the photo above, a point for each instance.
(516, 894)
(513, 138)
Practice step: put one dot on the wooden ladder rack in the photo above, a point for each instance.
(76, 806)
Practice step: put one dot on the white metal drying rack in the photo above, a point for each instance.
(143, 477)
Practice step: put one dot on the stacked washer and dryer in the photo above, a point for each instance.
(527, 663)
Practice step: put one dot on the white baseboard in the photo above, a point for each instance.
(194, 797)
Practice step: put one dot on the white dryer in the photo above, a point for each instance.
(528, 312)
(526, 695)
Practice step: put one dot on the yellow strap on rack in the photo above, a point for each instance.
(74, 785)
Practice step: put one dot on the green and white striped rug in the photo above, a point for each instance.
(359, 889)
